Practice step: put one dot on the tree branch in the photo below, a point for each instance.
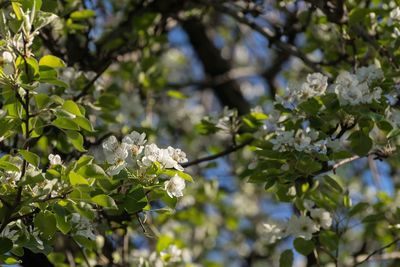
(240, 17)
(218, 155)
(377, 251)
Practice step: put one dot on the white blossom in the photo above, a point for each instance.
(272, 232)
(178, 156)
(315, 85)
(301, 226)
(354, 89)
(302, 140)
(7, 57)
(369, 74)
(151, 154)
(116, 154)
(55, 159)
(394, 15)
(321, 217)
(135, 142)
(282, 140)
(166, 161)
(175, 186)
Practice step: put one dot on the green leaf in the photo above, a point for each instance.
(5, 165)
(30, 157)
(303, 246)
(360, 143)
(135, 200)
(393, 133)
(332, 183)
(347, 200)
(44, 18)
(286, 258)
(17, 10)
(72, 107)
(104, 201)
(42, 100)
(76, 140)
(65, 123)
(62, 224)
(84, 123)
(358, 15)
(29, 68)
(329, 239)
(374, 218)
(181, 174)
(359, 207)
(308, 165)
(52, 62)
(5, 245)
(75, 179)
(82, 14)
(259, 116)
(46, 222)
(176, 94)
(92, 171)
(163, 242)
(311, 106)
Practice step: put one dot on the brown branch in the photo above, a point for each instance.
(140, 222)
(218, 155)
(377, 251)
(86, 88)
(240, 17)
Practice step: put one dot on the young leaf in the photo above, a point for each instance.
(303, 246)
(75, 179)
(286, 258)
(51, 61)
(30, 157)
(65, 123)
(104, 201)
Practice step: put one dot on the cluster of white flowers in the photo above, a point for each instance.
(315, 85)
(355, 89)
(133, 152)
(302, 140)
(298, 226)
(352, 89)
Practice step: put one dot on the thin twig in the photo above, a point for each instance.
(83, 253)
(343, 162)
(85, 89)
(218, 155)
(141, 223)
(240, 17)
(377, 251)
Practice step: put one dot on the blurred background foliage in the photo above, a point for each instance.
(161, 66)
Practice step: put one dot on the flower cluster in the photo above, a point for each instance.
(315, 85)
(301, 140)
(299, 226)
(133, 152)
(355, 89)
(352, 89)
